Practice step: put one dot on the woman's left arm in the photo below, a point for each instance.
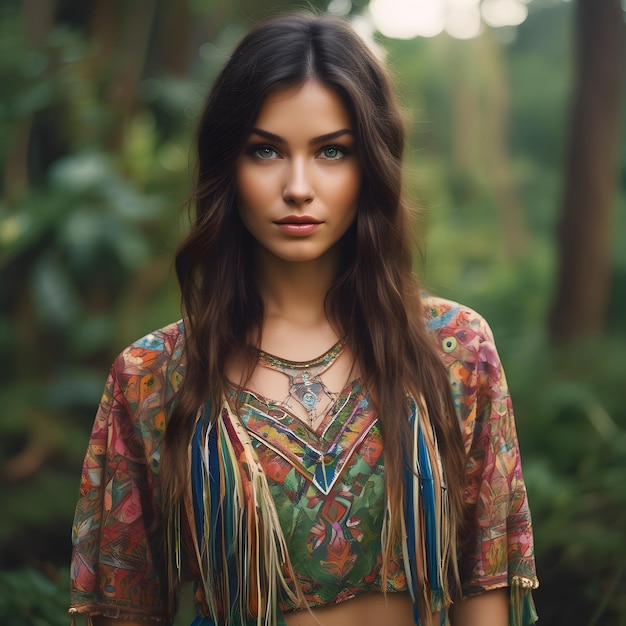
(486, 609)
(496, 545)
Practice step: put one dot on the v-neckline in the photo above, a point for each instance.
(278, 406)
(318, 454)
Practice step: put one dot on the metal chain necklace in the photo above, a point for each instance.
(305, 385)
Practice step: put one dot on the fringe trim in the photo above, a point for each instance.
(88, 620)
(263, 551)
(173, 534)
(240, 547)
(428, 541)
(522, 610)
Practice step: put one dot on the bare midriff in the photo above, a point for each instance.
(372, 609)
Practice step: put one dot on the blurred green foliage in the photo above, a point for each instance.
(28, 597)
(90, 217)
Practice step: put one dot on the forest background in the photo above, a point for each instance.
(517, 159)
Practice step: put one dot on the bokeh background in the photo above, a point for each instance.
(517, 160)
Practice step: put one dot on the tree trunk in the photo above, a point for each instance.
(584, 232)
(497, 155)
(133, 24)
(481, 128)
(38, 21)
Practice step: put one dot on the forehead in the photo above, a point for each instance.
(312, 107)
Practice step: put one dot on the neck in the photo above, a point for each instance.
(295, 291)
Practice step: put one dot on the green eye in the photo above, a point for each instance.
(332, 152)
(449, 344)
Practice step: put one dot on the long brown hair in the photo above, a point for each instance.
(375, 299)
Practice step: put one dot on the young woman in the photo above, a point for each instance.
(242, 448)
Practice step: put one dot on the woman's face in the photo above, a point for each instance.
(298, 177)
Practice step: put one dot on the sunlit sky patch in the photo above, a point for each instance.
(462, 19)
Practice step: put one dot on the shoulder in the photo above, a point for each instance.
(154, 349)
(468, 351)
(465, 343)
(156, 360)
(458, 331)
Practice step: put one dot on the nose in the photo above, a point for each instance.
(298, 186)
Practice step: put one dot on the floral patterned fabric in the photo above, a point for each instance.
(117, 564)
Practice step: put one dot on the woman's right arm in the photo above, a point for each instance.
(118, 565)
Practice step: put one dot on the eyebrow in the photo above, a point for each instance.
(315, 141)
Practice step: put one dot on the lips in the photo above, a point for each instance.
(298, 225)
(298, 219)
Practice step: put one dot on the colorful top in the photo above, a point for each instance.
(328, 488)
(118, 564)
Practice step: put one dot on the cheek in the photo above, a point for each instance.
(245, 186)
(252, 192)
(347, 191)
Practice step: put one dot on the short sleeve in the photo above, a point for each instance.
(496, 545)
(118, 564)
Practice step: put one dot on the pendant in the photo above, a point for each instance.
(305, 385)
